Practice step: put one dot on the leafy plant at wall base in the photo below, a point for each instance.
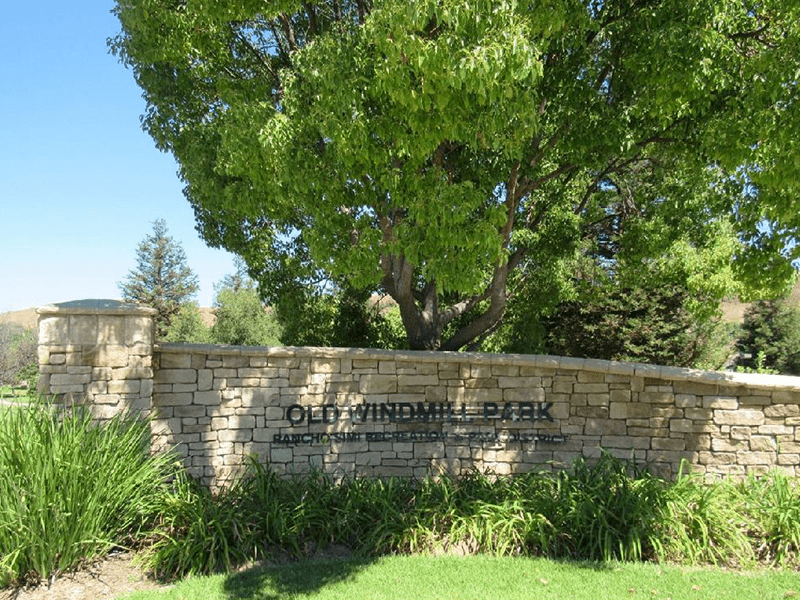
(773, 508)
(198, 532)
(72, 489)
(703, 523)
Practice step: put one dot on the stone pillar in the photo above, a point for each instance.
(98, 353)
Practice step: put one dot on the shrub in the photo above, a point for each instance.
(71, 490)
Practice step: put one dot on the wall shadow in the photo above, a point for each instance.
(304, 577)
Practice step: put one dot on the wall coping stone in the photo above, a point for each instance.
(750, 380)
(96, 307)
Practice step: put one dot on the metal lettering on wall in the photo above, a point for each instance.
(421, 412)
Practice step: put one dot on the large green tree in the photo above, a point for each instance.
(450, 152)
(162, 278)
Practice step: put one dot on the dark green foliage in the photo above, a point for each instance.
(161, 279)
(771, 338)
(345, 318)
(649, 325)
(72, 490)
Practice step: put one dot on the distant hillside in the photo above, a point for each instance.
(733, 311)
(26, 318)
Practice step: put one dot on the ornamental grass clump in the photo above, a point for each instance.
(72, 489)
(772, 503)
(703, 523)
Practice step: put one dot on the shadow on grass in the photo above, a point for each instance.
(304, 577)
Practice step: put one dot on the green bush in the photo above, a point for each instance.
(71, 490)
(770, 340)
(606, 509)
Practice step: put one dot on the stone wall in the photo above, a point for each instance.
(373, 412)
(99, 352)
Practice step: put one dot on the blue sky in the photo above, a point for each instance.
(80, 182)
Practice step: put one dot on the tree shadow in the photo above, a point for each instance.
(301, 578)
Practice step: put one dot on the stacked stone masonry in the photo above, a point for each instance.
(387, 413)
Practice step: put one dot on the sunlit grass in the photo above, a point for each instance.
(477, 578)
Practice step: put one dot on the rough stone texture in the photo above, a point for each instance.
(98, 356)
(373, 412)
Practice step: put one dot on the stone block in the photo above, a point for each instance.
(785, 397)
(212, 397)
(83, 330)
(175, 361)
(597, 399)
(139, 330)
(519, 382)
(661, 443)
(505, 371)
(523, 395)
(125, 386)
(782, 410)
(562, 387)
(326, 365)
(699, 414)
(69, 379)
(417, 380)
(132, 373)
(755, 458)
(775, 430)
(620, 395)
(762, 443)
(235, 435)
(738, 417)
(721, 402)
(53, 331)
(604, 427)
(625, 441)
(590, 388)
(175, 376)
(191, 410)
(110, 329)
(657, 397)
(242, 422)
(728, 445)
(205, 380)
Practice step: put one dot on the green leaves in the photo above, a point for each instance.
(436, 135)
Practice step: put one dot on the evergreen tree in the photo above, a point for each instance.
(161, 279)
(771, 338)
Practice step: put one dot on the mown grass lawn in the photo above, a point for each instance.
(478, 578)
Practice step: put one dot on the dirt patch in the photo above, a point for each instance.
(116, 575)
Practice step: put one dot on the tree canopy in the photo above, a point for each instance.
(452, 152)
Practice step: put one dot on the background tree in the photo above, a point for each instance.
(241, 317)
(770, 338)
(188, 326)
(161, 279)
(18, 356)
(448, 152)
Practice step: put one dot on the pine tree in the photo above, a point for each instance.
(770, 338)
(161, 279)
